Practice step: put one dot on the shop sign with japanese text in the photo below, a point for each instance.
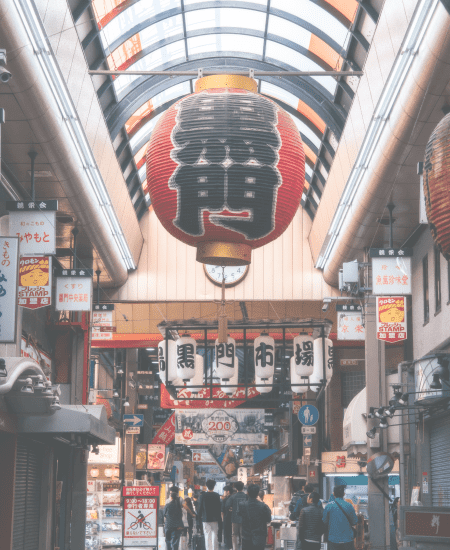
(34, 223)
(102, 316)
(391, 271)
(430, 524)
(167, 432)
(9, 258)
(73, 290)
(35, 281)
(350, 322)
(156, 455)
(152, 491)
(140, 521)
(211, 426)
(391, 319)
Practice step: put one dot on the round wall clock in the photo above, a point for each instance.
(234, 274)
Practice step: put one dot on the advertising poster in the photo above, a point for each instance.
(391, 319)
(35, 281)
(183, 401)
(203, 456)
(156, 457)
(211, 426)
(9, 256)
(141, 457)
(140, 521)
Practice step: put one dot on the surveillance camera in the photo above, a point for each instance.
(5, 75)
(326, 304)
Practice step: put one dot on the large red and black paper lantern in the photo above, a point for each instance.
(225, 169)
(436, 184)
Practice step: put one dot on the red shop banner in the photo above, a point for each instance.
(218, 401)
(166, 434)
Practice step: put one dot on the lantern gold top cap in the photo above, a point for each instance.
(226, 81)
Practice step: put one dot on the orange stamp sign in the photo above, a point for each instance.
(35, 281)
(391, 319)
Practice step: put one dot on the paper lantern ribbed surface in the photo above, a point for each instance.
(169, 363)
(225, 170)
(264, 356)
(304, 355)
(225, 358)
(186, 352)
(436, 184)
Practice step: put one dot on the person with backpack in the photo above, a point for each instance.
(340, 517)
(236, 521)
(310, 526)
(255, 515)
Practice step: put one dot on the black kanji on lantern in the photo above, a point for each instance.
(226, 145)
(264, 355)
(330, 357)
(304, 356)
(225, 351)
(185, 356)
(161, 359)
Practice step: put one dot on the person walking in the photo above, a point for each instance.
(255, 515)
(190, 517)
(226, 518)
(236, 520)
(209, 513)
(173, 520)
(339, 516)
(310, 526)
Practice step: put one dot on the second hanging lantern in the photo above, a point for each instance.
(186, 352)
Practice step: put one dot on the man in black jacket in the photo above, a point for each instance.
(310, 526)
(209, 513)
(232, 504)
(255, 517)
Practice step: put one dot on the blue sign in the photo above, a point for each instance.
(308, 415)
(136, 420)
(307, 441)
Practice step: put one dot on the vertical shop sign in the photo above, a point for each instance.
(167, 432)
(34, 223)
(35, 281)
(9, 259)
(140, 520)
(73, 289)
(391, 271)
(102, 319)
(350, 322)
(391, 319)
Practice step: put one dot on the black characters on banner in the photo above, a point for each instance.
(226, 146)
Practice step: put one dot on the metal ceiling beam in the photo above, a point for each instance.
(305, 89)
(226, 4)
(279, 74)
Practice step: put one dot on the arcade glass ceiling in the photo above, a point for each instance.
(227, 35)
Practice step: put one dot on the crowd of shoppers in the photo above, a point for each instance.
(242, 519)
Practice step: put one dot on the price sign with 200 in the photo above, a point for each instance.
(219, 426)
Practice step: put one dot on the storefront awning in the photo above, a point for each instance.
(90, 421)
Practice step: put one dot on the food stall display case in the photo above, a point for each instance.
(104, 516)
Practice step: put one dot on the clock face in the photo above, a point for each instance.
(234, 274)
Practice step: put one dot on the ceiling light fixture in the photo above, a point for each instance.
(126, 402)
(28, 387)
(380, 118)
(371, 433)
(384, 423)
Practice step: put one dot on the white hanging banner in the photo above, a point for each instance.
(350, 322)
(9, 262)
(391, 271)
(73, 290)
(35, 281)
(35, 225)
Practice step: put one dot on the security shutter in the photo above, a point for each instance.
(27, 495)
(440, 453)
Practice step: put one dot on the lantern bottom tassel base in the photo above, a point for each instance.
(223, 254)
